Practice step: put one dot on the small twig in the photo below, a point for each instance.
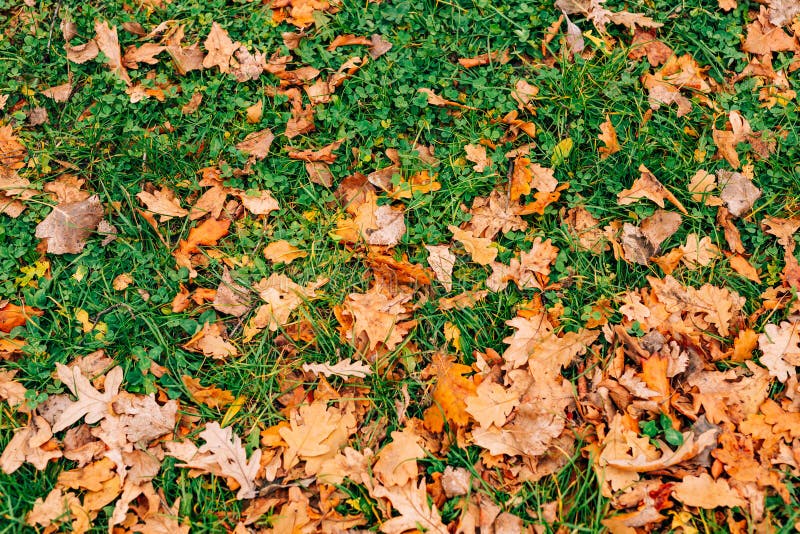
(101, 313)
(50, 33)
(509, 177)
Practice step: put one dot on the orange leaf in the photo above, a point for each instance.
(12, 315)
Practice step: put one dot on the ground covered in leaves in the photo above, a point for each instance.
(468, 266)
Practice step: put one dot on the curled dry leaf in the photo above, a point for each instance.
(780, 345)
(220, 49)
(345, 369)
(230, 297)
(441, 260)
(68, 226)
(479, 248)
(108, 43)
(162, 202)
(738, 192)
(210, 396)
(477, 155)
(608, 135)
(647, 186)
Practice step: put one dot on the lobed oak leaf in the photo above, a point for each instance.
(12, 391)
(220, 49)
(479, 248)
(226, 450)
(30, 444)
(763, 37)
(259, 202)
(281, 296)
(163, 203)
(452, 388)
(144, 54)
(608, 136)
(90, 403)
(376, 318)
(491, 404)
(212, 397)
(780, 346)
(411, 501)
(704, 492)
(210, 340)
(397, 461)
(477, 155)
(494, 214)
(345, 369)
(698, 252)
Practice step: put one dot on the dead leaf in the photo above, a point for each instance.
(210, 396)
(68, 226)
(479, 248)
(699, 252)
(59, 93)
(283, 252)
(378, 46)
(738, 192)
(345, 369)
(397, 462)
(441, 260)
(193, 104)
(212, 341)
(108, 43)
(257, 144)
(220, 49)
(704, 492)
(485, 59)
(30, 444)
(608, 136)
(477, 155)
(163, 203)
(254, 112)
(647, 186)
(412, 503)
(90, 404)
(259, 202)
(230, 297)
(780, 345)
(122, 281)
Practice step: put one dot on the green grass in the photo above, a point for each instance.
(121, 146)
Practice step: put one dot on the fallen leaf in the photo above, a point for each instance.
(90, 404)
(647, 186)
(345, 369)
(108, 43)
(68, 226)
(254, 112)
(212, 341)
(122, 281)
(704, 492)
(193, 104)
(220, 49)
(378, 46)
(162, 202)
(500, 58)
(411, 501)
(699, 252)
(29, 444)
(230, 297)
(283, 252)
(738, 192)
(477, 155)
(780, 345)
(479, 248)
(396, 463)
(257, 144)
(442, 260)
(210, 396)
(259, 202)
(608, 136)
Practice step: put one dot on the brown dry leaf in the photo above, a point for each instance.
(345, 369)
(699, 252)
(732, 235)
(12, 152)
(479, 248)
(348, 40)
(57, 508)
(223, 454)
(83, 52)
(477, 155)
(257, 144)
(646, 44)
(452, 388)
(704, 492)
(378, 46)
(740, 132)
(30, 444)
(211, 341)
(608, 135)
(377, 225)
(492, 404)
(738, 192)
(524, 93)
(594, 11)
(411, 501)
(59, 93)
(485, 59)
(121, 282)
(442, 260)
(67, 188)
(678, 73)
(648, 186)
(230, 297)
(375, 318)
(208, 233)
(184, 58)
(193, 104)
(494, 214)
(212, 202)
(301, 122)
(12, 391)
(259, 202)
(144, 54)
(740, 264)
(324, 154)
(586, 228)
(163, 203)
(281, 296)
(765, 38)
(397, 461)
(465, 300)
(108, 43)
(220, 49)
(535, 342)
(210, 396)
(68, 226)
(91, 404)
(436, 100)
(283, 252)
(319, 173)
(254, 112)
(783, 229)
(701, 184)
(780, 345)
(247, 66)
(315, 434)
